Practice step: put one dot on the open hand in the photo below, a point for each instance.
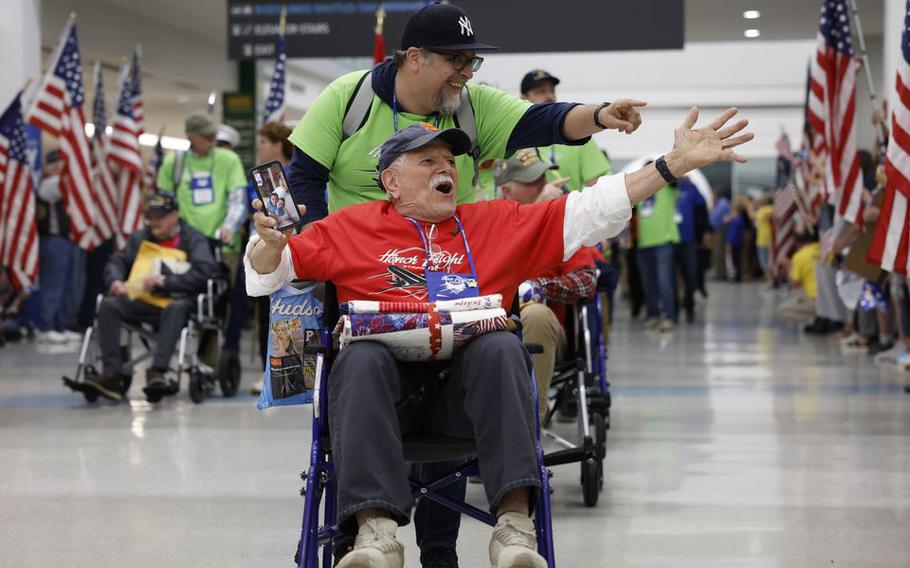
(698, 147)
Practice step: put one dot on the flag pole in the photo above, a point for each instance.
(880, 131)
(282, 20)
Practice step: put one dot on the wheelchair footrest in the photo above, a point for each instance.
(561, 457)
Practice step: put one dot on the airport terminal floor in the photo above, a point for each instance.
(735, 442)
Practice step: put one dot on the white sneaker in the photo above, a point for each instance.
(257, 387)
(665, 326)
(514, 544)
(891, 356)
(652, 323)
(71, 336)
(375, 546)
(53, 337)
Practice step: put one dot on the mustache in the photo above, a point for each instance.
(441, 178)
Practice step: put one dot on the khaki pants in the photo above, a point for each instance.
(540, 325)
(797, 308)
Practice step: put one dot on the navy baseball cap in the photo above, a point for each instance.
(417, 136)
(160, 203)
(442, 26)
(533, 79)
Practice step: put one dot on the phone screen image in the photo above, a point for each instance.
(272, 186)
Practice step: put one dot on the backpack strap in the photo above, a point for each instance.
(465, 120)
(177, 174)
(355, 116)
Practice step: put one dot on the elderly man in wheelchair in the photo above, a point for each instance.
(411, 248)
(175, 285)
(543, 298)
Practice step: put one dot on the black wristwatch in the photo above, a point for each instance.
(597, 122)
(664, 170)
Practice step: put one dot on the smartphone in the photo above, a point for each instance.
(273, 189)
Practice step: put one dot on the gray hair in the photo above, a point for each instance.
(401, 55)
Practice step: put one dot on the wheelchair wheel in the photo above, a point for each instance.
(590, 482)
(228, 373)
(197, 386)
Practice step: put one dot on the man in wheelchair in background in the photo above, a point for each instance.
(406, 249)
(543, 299)
(164, 228)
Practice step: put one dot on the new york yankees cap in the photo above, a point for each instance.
(442, 26)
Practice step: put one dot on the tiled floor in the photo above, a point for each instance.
(737, 442)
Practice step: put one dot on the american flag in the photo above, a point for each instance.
(125, 151)
(18, 231)
(274, 105)
(136, 90)
(783, 224)
(832, 106)
(105, 205)
(891, 242)
(58, 111)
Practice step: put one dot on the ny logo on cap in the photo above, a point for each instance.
(465, 23)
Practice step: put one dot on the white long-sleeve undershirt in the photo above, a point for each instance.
(596, 213)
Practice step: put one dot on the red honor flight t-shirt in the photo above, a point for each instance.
(372, 252)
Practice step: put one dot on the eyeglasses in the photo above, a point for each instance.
(459, 61)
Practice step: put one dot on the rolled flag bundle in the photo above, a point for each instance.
(422, 331)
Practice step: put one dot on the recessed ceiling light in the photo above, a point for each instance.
(752, 33)
(751, 14)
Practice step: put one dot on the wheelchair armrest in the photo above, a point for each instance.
(534, 348)
(98, 299)
(200, 306)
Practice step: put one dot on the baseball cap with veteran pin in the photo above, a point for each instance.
(417, 136)
(201, 124)
(160, 204)
(524, 166)
(533, 79)
(442, 26)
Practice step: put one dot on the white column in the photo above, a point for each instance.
(894, 27)
(20, 46)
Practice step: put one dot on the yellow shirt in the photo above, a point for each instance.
(802, 268)
(763, 222)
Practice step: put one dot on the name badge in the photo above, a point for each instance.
(448, 286)
(202, 189)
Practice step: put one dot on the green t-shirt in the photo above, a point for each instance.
(579, 163)
(486, 184)
(204, 208)
(352, 162)
(657, 219)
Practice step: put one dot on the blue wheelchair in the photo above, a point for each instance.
(319, 489)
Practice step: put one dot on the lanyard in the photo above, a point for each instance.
(211, 170)
(426, 247)
(395, 114)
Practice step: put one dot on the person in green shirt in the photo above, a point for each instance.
(427, 80)
(657, 232)
(581, 164)
(209, 183)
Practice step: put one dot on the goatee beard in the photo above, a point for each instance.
(446, 107)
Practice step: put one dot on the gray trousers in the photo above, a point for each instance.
(828, 304)
(113, 312)
(488, 397)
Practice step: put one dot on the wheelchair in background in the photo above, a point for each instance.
(319, 479)
(200, 339)
(581, 380)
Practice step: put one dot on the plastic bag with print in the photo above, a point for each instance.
(295, 336)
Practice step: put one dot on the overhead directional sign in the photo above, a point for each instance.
(345, 29)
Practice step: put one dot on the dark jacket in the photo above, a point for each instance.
(199, 255)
